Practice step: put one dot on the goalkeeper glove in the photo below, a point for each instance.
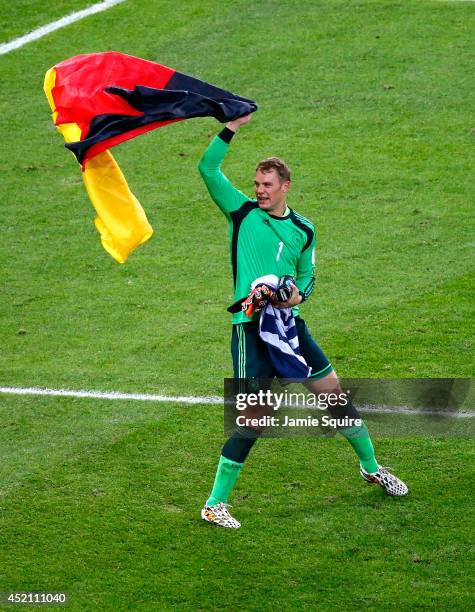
(285, 289)
(257, 299)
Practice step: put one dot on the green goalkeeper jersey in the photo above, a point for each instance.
(261, 243)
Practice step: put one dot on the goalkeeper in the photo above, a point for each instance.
(268, 237)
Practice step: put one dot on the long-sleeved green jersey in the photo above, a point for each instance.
(261, 243)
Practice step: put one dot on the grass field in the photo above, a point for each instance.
(371, 104)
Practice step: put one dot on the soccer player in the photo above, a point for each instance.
(268, 237)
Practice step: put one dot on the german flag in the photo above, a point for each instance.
(102, 99)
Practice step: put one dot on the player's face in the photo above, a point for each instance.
(270, 191)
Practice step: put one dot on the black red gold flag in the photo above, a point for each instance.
(102, 99)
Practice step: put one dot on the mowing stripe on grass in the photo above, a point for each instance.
(56, 25)
(178, 399)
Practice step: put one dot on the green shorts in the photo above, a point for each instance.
(251, 360)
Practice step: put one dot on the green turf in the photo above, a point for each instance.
(23, 16)
(384, 173)
(106, 512)
(370, 103)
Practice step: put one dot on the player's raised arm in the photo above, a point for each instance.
(220, 188)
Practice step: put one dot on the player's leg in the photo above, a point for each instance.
(357, 433)
(249, 363)
(325, 380)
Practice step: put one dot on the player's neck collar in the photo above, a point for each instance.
(283, 217)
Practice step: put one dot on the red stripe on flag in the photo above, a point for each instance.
(79, 94)
(115, 140)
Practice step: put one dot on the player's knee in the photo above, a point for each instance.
(327, 384)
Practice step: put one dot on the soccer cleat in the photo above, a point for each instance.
(390, 483)
(219, 515)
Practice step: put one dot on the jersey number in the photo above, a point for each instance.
(279, 251)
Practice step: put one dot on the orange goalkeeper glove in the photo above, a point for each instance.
(257, 299)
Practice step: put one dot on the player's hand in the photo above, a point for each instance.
(236, 123)
(257, 299)
(293, 300)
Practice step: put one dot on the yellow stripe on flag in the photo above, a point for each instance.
(70, 131)
(121, 220)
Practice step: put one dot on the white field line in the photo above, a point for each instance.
(16, 43)
(368, 408)
(111, 395)
(208, 400)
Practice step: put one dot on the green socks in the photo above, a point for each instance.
(228, 470)
(360, 440)
(226, 476)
